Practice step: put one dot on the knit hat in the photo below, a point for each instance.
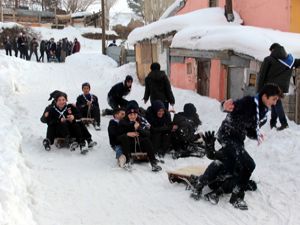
(132, 107)
(189, 109)
(54, 94)
(128, 78)
(86, 84)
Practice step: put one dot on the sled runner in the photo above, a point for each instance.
(182, 175)
(71, 144)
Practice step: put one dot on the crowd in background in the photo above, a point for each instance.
(53, 51)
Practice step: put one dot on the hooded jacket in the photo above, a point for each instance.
(158, 125)
(274, 71)
(157, 87)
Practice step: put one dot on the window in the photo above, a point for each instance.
(252, 80)
(213, 3)
(189, 69)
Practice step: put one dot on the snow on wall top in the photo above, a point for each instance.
(81, 14)
(249, 40)
(9, 24)
(202, 17)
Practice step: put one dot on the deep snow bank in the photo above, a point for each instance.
(14, 193)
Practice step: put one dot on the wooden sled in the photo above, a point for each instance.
(140, 156)
(182, 175)
(61, 143)
(87, 121)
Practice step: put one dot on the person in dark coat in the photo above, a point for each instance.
(7, 43)
(21, 46)
(157, 86)
(247, 115)
(114, 132)
(117, 92)
(277, 68)
(63, 121)
(43, 49)
(76, 46)
(15, 46)
(161, 127)
(88, 105)
(34, 49)
(135, 136)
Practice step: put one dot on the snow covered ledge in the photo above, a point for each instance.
(14, 175)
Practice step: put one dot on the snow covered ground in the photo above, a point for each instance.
(66, 188)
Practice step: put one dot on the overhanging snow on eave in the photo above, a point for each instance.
(161, 36)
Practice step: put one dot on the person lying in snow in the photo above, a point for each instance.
(63, 121)
(114, 133)
(244, 119)
(161, 127)
(88, 105)
(185, 140)
(135, 136)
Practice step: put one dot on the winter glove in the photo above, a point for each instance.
(209, 140)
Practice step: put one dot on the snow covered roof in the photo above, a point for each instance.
(9, 24)
(172, 9)
(81, 14)
(202, 17)
(248, 40)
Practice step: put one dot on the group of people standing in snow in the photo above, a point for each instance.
(153, 132)
(54, 51)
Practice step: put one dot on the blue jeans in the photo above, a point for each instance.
(278, 112)
(118, 151)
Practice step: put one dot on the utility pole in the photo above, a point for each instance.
(103, 27)
(1, 9)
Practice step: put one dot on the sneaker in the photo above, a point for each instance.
(97, 127)
(83, 148)
(282, 127)
(212, 197)
(91, 143)
(128, 166)
(46, 143)
(73, 146)
(122, 161)
(155, 167)
(240, 204)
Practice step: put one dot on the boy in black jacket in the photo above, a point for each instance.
(135, 135)
(114, 133)
(63, 121)
(245, 118)
(118, 91)
(88, 105)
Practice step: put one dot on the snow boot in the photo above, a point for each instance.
(282, 127)
(198, 185)
(237, 199)
(251, 186)
(212, 197)
(155, 167)
(91, 143)
(46, 143)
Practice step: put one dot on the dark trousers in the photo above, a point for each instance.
(67, 130)
(36, 55)
(278, 112)
(161, 142)
(16, 52)
(237, 161)
(114, 103)
(42, 56)
(130, 145)
(8, 51)
(95, 114)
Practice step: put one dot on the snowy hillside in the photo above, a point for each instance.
(66, 188)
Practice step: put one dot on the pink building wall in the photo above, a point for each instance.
(179, 77)
(273, 14)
